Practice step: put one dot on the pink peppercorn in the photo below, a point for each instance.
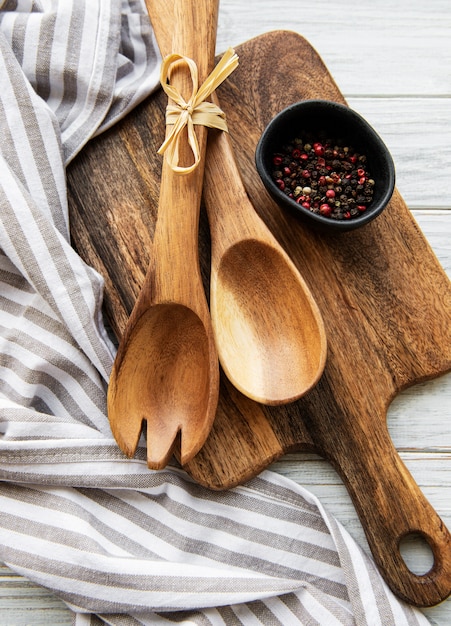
(325, 209)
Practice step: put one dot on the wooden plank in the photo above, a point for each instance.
(417, 132)
(24, 604)
(436, 226)
(381, 48)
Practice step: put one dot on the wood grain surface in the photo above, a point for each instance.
(385, 299)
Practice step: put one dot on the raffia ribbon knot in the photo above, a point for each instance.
(181, 114)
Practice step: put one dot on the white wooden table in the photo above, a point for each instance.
(392, 61)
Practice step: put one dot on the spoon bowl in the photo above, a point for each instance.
(271, 344)
(166, 373)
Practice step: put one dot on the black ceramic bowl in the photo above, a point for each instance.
(339, 123)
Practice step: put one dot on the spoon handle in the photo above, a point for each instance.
(194, 35)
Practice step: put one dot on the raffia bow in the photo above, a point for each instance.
(196, 111)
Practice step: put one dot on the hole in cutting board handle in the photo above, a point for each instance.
(417, 554)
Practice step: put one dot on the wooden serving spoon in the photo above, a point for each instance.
(166, 370)
(268, 330)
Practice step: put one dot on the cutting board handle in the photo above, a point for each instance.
(391, 507)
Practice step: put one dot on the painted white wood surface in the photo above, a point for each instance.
(392, 61)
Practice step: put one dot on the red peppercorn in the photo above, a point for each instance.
(304, 156)
(296, 154)
(280, 184)
(362, 180)
(330, 193)
(361, 207)
(347, 215)
(353, 158)
(286, 171)
(322, 180)
(306, 205)
(320, 162)
(325, 209)
(360, 172)
(277, 160)
(318, 149)
(305, 174)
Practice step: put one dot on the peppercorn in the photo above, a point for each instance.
(324, 176)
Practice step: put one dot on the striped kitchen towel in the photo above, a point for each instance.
(120, 544)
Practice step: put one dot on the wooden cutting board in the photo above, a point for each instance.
(385, 300)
